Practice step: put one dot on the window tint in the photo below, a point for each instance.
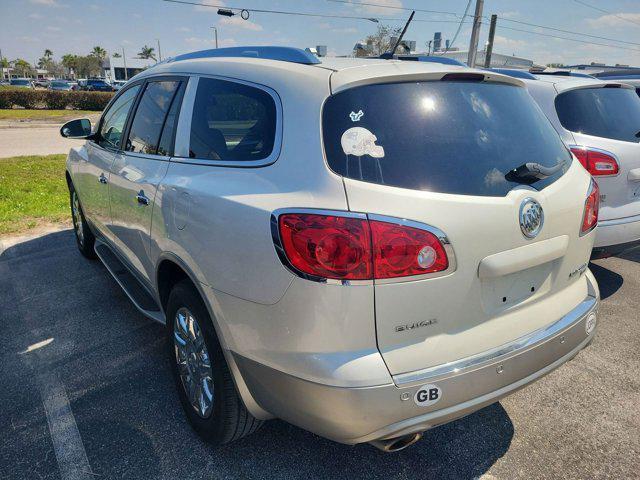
(115, 118)
(167, 138)
(232, 121)
(457, 137)
(150, 115)
(601, 112)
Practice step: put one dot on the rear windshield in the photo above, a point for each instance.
(602, 112)
(458, 137)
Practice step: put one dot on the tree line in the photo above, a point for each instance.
(82, 66)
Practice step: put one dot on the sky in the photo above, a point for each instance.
(28, 27)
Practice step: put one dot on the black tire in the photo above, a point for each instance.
(84, 236)
(229, 420)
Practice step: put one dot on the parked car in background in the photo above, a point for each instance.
(4, 82)
(631, 77)
(60, 85)
(97, 85)
(41, 82)
(118, 84)
(365, 248)
(21, 83)
(600, 122)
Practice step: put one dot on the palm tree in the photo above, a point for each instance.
(22, 66)
(48, 54)
(147, 52)
(116, 55)
(70, 62)
(99, 53)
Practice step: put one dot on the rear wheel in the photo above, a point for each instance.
(84, 236)
(205, 386)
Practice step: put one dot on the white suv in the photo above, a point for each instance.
(364, 248)
(600, 122)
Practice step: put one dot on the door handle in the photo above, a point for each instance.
(142, 198)
(102, 179)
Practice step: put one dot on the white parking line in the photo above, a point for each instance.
(67, 443)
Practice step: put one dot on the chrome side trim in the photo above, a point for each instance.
(444, 240)
(277, 242)
(502, 352)
(619, 221)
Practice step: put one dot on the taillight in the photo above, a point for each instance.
(357, 248)
(401, 251)
(596, 162)
(327, 246)
(591, 207)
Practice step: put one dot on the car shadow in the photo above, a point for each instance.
(114, 365)
(609, 281)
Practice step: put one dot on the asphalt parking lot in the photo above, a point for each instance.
(85, 383)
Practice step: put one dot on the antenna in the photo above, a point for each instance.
(388, 55)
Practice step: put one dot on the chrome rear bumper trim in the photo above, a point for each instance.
(499, 353)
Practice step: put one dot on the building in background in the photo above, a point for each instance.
(113, 68)
(497, 59)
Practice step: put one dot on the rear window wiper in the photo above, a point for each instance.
(531, 172)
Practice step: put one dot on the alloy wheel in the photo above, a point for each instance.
(193, 361)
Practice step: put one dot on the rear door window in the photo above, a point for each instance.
(150, 116)
(460, 137)
(602, 112)
(232, 121)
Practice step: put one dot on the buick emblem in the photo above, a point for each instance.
(531, 217)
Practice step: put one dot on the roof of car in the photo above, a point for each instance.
(262, 64)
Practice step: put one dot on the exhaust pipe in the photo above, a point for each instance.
(398, 443)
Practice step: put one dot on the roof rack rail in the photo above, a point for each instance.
(561, 73)
(284, 54)
(431, 58)
(514, 72)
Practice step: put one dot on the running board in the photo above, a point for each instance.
(134, 289)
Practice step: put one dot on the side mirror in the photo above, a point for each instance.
(80, 128)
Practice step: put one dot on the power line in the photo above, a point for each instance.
(459, 28)
(502, 19)
(606, 11)
(304, 14)
(570, 39)
(281, 12)
(393, 7)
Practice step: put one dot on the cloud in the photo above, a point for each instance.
(46, 3)
(208, 42)
(237, 22)
(183, 29)
(51, 28)
(512, 14)
(508, 45)
(202, 8)
(334, 29)
(614, 20)
(378, 9)
(35, 16)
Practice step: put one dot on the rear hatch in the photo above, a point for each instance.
(439, 153)
(606, 117)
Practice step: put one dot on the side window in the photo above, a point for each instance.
(232, 121)
(114, 119)
(150, 116)
(168, 136)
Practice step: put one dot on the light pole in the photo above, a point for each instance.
(159, 51)
(215, 32)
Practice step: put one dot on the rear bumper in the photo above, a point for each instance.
(616, 236)
(356, 415)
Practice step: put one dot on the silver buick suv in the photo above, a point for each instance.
(364, 248)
